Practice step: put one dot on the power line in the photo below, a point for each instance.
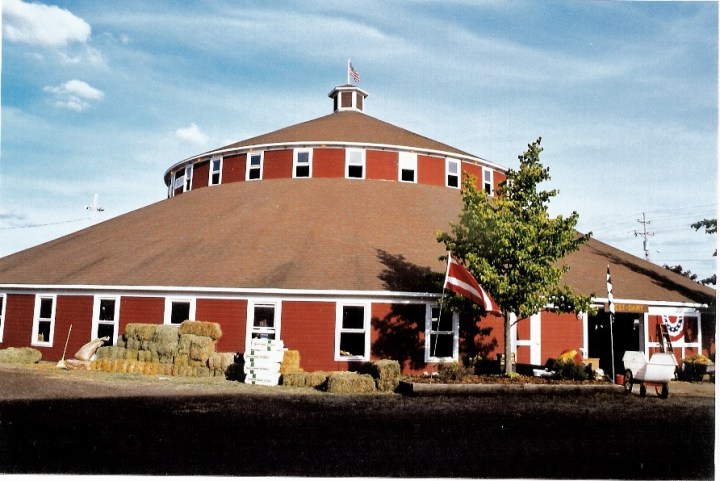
(43, 225)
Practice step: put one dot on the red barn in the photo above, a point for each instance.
(321, 234)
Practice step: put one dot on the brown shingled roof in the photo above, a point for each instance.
(314, 234)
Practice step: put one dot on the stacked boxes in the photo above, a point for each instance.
(262, 362)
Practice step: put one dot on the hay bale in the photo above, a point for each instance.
(130, 355)
(181, 360)
(201, 328)
(350, 383)
(132, 344)
(20, 355)
(290, 362)
(166, 340)
(386, 370)
(140, 332)
(201, 348)
(316, 378)
(387, 385)
(202, 371)
(294, 379)
(220, 361)
(184, 341)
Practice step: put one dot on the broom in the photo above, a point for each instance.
(61, 363)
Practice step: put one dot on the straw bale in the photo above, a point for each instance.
(202, 371)
(201, 348)
(387, 385)
(142, 355)
(290, 362)
(201, 328)
(166, 340)
(220, 361)
(165, 369)
(118, 353)
(20, 355)
(141, 332)
(294, 379)
(184, 341)
(386, 370)
(121, 341)
(131, 355)
(316, 378)
(132, 344)
(181, 360)
(350, 383)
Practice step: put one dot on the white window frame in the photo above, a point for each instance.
(248, 159)
(250, 328)
(168, 309)
(3, 308)
(296, 163)
(339, 330)
(488, 185)
(36, 320)
(96, 321)
(178, 180)
(212, 171)
(187, 185)
(349, 161)
(449, 161)
(407, 161)
(429, 330)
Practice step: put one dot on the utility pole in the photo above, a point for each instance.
(95, 208)
(645, 234)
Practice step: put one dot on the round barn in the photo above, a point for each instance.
(322, 235)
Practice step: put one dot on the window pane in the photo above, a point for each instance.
(303, 157)
(352, 344)
(180, 312)
(216, 165)
(46, 308)
(445, 322)
(355, 157)
(107, 330)
(355, 171)
(452, 180)
(302, 171)
(254, 174)
(353, 317)
(452, 167)
(408, 175)
(255, 160)
(264, 316)
(444, 346)
(43, 331)
(2, 299)
(215, 178)
(107, 310)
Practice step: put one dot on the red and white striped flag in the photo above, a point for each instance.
(353, 73)
(460, 281)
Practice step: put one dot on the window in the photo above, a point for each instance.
(43, 321)
(302, 163)
(188, 178)
(105, 317)
(178, 310)
(355, 164)
(3, 303)
(263, 321)
(215, 170)
(179, 179)
(442, 342)
(407, 167)
(488, 181)
(253, 170)
(352, 336)
(452, 173)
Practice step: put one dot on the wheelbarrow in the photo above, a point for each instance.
(656, 373)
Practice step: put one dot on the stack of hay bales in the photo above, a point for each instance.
(20, 355)
(185, 350)
(386, 374)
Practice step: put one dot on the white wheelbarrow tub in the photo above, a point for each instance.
(658, 371)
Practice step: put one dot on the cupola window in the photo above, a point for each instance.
(215, 170)
(254, 166)
(355, 163)
(302, 163)
(452, 173)
(407, 167)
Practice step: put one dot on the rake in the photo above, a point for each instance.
(61, 363)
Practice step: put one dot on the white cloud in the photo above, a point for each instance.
(192, 134)
(42, 25)
(74, 95)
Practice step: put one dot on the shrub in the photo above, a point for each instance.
(571, 370)
(452, 371)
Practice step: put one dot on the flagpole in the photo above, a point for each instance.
(611, 309)
(442, 301)
(347, 71)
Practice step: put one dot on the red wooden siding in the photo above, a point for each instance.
(431, 170)
(328, 163)
(498, 177)
(233, 169)
(75, 310)
(146, 310)
(398, 332)
(381, 165)
(231, 314)
(309, 327)
(558, 333)
(475, 170)
(18, 320)
(201, 172)
(277, 164)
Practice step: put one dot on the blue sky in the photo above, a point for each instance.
(102, 97)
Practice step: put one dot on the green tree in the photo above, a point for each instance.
(710, 226)
(512, 246)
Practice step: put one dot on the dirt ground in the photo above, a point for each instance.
(75, 422)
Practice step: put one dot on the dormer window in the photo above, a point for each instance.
(407, 167)
(452, 173)
(215, 170)
(302, 163)
(254, 166)
(354, 163)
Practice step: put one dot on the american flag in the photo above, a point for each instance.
(353, 73)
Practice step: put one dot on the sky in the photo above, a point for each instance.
(103, 97)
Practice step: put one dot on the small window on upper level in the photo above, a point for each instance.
(215, 170)
(407, 167)
(3, 303)
(188, 178)
(488, 181)
(302, 163)
(452, 173)
(179, 179)
(355, 163)
(253, 170)
(179, 310)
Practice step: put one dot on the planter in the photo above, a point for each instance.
(693, 371)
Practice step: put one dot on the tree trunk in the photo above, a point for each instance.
(508, 343)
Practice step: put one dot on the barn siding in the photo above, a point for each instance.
(381, 165)
(558, 333)
(431, 170)
(309, 327)
(201, 174)
(277, 164)
(146, 310)
(231, 314)
(233, 169)
(328, 163)
(18, 320)
(76, 311)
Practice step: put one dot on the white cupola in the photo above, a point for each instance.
(348, 97)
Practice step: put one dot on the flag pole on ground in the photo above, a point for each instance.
(611, 309)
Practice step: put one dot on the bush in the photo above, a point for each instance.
(571, 370)
(452, 371)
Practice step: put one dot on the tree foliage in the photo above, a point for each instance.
(512, 245)
(710, 226)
